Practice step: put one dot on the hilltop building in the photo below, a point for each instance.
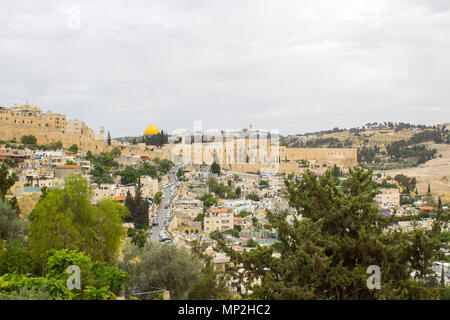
(22, 120)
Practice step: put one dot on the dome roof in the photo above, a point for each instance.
(151, 130)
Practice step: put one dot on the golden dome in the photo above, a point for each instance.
(151, 130)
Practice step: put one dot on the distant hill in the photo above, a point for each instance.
(385, 146)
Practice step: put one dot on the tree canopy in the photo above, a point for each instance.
(65, 219)
(325, 255)
(161, 266)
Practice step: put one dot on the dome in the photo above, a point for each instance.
(151, 130)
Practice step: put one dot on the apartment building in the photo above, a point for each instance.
(218, 219)
(388, 197)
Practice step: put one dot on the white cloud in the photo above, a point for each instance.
(293, 65)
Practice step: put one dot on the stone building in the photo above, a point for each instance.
(23, 120)
(388, 197)
(218, 219)
(64, 171)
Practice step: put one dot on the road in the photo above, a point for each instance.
(162, 211)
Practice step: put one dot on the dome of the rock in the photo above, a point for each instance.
(151, 130)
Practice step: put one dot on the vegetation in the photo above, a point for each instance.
(180, 174)
(98, 280)
(138, 207)
(129, 176)
(12, 227)
(65, 230)
(103, 163)
(159, 139)
(138, 236)
(215, 168)
(28, 139)
(209, 200)
(253, 196)
(407, 184)
(326, 254)
(7, 180)
(74, 148)
(157, 198)
(367, 154)
(159, 266)
(65, 219)
(263, 183)
(212, 284)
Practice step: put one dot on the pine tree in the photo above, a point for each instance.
(138, 207)
(108, 139)
(325, 255)
(215, 168)
(129, 203)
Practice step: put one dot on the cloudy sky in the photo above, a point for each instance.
(292, 65)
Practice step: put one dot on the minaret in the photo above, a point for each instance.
(102, 133)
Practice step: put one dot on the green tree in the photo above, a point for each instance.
(231, 195)
(65, 219)
(15, 257)
(7, 180)
(263, 183)
(215, 168)
(209, 200)
(11, 225)
(251, 243)
(108, 139)
(212, 284)
(161, 266)
(326, 254)
(74, 148)
(28, 139)
(138, 207)
(116, 152)
(98, 279)
(238, 192)
(139, 238)
(164, 166)
(129, 176)
(157, 198)
(337, 172)
(253, 196)
(180, 174)
(148, 170)
(56, 145)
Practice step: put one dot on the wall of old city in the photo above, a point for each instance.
(23, 120)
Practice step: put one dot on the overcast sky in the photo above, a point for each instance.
(296, 66)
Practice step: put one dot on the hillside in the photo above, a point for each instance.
(435, 172)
